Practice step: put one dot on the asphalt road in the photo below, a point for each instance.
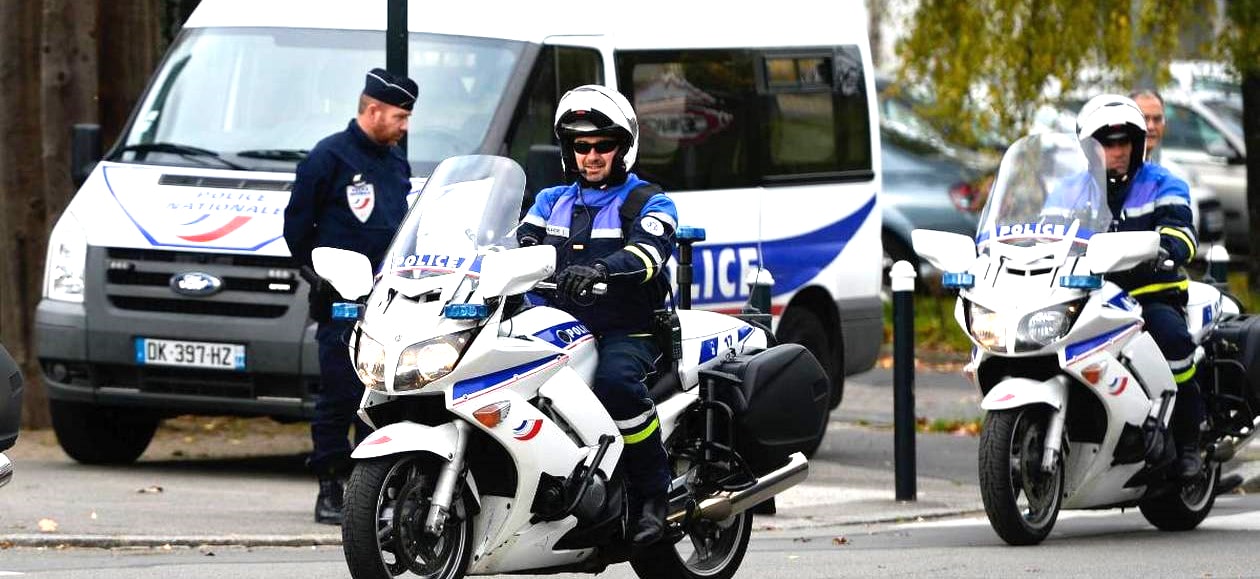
(1088, 544)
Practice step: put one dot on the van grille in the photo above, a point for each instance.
(197, 382)
(253, 286)
(225, 183)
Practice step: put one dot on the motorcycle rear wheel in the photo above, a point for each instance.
(387, 501)
(1021, 501)
(1184, 510)
(710, 550)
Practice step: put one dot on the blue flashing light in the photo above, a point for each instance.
(958, 280)
(1085, 282)
(690, 234)
(347, 311)
(466, 311)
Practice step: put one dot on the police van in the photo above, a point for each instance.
(169, 288)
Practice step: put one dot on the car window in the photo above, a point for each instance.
(1187, 130)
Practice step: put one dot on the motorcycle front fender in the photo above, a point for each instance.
(401, 437)
(1017, 392)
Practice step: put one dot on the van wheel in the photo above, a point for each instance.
(802, 326)
(93, 434)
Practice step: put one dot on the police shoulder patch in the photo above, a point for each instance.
(653, 226)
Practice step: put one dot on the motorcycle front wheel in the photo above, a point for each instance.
(1021, 500)
(387, 501)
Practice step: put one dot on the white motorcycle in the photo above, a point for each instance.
(490, 452)
(1078, 396)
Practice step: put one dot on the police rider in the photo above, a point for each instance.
(599, 138)
(1146, 197)
(350, 193)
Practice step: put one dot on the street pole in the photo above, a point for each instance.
(902, 282)
(396, 44)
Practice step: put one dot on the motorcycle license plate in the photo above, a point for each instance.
(151, 352)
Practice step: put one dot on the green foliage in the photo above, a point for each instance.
(1241, 37)
(990, 64)
(935, 329)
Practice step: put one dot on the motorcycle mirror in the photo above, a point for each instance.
(945, 251)
(349, 273)
(1120, 250)
(515, 271)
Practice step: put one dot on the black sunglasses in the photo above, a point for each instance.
(601, 147)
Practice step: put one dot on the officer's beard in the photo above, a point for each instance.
(616, 176)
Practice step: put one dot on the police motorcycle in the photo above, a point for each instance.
(1077, 396)
(490, 453)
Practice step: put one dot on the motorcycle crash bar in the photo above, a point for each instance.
(725, 505)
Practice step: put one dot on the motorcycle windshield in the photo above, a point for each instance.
(468, 207)
(1049, 187)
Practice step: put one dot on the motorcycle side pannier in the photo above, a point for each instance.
(1237, 339)
(10, 399)
(779, 403)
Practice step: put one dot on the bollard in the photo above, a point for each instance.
(902, 281)
(1218, 266)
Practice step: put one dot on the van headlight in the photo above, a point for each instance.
(66, 261)
(369, 362)
(424, 362)
(987, 327)
(1042, 327)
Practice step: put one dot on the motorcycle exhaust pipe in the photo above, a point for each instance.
(6, 470)
(725, 505)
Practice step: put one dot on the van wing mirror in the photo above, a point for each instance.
(349, 273)
(948, 252)
(85, 151)
(1120, 250)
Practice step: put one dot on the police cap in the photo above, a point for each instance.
(399, 91)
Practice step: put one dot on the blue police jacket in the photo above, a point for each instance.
(585, 226)
(350, 193)
(1155, 200)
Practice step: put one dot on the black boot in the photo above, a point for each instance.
(329, 502)
(650, 525)
(1189, 459)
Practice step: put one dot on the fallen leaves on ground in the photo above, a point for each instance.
(840, 541)
(47, 526)
(152, 490)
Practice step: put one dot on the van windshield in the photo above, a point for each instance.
(260, 98)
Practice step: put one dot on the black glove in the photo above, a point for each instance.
(576, 280)
(320, 299)
(527, 240)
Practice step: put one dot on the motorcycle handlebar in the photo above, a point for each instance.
(598, 289)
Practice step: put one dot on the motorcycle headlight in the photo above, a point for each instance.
(66, 261)
(987, 327)
(1042, 327)
(426, 361)
(369, 362)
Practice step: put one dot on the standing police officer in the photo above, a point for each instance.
(350, 193)
(598, 241)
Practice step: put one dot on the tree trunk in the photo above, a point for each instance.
(130, 48)
(1251, 134)
(21, 180)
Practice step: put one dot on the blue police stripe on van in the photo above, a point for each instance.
(794, 260)
(1074, 350)
(486, 381)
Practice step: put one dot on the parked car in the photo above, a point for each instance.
(924, 188)
(1215, 156)
(10, 410)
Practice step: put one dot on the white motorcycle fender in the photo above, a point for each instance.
(1017, 392)
(401, 437)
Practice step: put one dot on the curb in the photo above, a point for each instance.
(116, 541)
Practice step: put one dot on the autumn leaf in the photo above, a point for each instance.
(47, 526)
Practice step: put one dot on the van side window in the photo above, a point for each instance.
(697, 116)
(558, 69)
(817, 123)
(711, 119)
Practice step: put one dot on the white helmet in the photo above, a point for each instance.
(1110, 117)
(597, 110)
